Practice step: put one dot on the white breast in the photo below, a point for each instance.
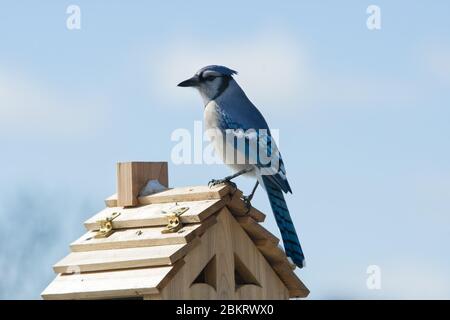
(211, 116)
(211, 124)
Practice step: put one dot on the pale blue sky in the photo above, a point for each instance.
(363, 117)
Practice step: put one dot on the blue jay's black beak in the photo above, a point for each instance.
(191, 82)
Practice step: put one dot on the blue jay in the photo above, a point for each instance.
(227, 112)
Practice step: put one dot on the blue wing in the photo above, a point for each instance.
(260, 137)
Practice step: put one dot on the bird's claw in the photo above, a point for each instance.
(247, 201)
(215, 182)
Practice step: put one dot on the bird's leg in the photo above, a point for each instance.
(228, 179)
(249, 198)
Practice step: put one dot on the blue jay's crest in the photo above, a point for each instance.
(219, 69)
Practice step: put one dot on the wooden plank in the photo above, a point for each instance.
(201, 291)
(134, 238)
(153, 297)
(154, 214)
(187, 194)
(222, 241)
(112, 284)
(252, 258)
(256, 214)
(205, 225)
(280, 264)
(111, 201)
(102, 260)
(132, 177)
(140, 237)
(253, 292)
(296, 287)
(182, 286)
(272, 252)
(255, 230)
(238, 208)
(236, 204)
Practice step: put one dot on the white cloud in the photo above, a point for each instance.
(28, 106)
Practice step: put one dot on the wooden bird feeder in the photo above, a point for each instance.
(181, 243)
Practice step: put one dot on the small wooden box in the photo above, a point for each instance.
(132, 177)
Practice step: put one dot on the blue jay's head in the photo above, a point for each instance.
(210, 81)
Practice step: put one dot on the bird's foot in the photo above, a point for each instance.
(247, 201)
(215, 182)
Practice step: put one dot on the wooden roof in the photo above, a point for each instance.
(138, 259)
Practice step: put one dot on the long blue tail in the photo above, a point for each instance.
(283, 218)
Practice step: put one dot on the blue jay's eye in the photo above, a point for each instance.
(210, 78)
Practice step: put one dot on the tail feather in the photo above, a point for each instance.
(283, 218)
